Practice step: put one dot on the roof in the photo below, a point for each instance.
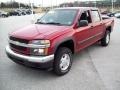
(79, 8)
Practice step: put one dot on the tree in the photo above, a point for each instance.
(3, 5)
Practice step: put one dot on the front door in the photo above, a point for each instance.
(82, 34)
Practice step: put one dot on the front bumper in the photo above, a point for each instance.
(35, 61)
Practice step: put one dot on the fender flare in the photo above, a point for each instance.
(65, 40)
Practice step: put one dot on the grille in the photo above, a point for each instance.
(19, 40)
(19, 49)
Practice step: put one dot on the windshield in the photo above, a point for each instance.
(58, 17)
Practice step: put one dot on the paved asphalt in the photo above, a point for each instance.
(94, 68)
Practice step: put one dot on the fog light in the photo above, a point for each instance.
(39, 51)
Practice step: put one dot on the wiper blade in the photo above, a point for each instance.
(40, 23)
(55, 23)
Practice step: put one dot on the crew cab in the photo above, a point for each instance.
(56, 36)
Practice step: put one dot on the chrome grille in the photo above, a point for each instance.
(17, 48)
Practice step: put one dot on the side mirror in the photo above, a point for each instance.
(38, 20)
(82, 23)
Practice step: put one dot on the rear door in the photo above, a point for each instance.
(97, 26)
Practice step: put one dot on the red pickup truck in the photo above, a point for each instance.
(58, 34)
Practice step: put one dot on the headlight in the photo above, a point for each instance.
(40, 47)
(40, 42)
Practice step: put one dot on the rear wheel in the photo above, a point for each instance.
(63, 61)
(106, 39)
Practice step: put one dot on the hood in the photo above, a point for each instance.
(38, 31)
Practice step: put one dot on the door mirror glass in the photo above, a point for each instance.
(82, 23)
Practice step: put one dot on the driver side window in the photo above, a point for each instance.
(86, 16)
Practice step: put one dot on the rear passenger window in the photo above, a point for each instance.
(96, 16)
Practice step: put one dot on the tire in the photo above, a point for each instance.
(18, 14)
(61, 64)
(7, 15)
(106, 39)
(3, 15)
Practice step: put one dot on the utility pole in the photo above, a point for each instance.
(112, 5)
(31, 4)
(32, 7)
(11, 4)
(51, 5)
(56, 3)
(95, 3)
(42, 3)
(19, 4)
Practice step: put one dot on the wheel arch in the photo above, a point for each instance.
(69, 43)
(109, 28)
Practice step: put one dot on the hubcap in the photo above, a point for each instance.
(64, 62)
(107, 38)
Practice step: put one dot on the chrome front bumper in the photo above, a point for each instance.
(34, 59)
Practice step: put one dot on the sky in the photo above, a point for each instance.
(44, 3)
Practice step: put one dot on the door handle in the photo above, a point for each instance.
(92, 26)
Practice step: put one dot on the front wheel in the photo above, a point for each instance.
(63, 61)
(106, 39)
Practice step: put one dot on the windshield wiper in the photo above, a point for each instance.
(40, 23)
(55, 23)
